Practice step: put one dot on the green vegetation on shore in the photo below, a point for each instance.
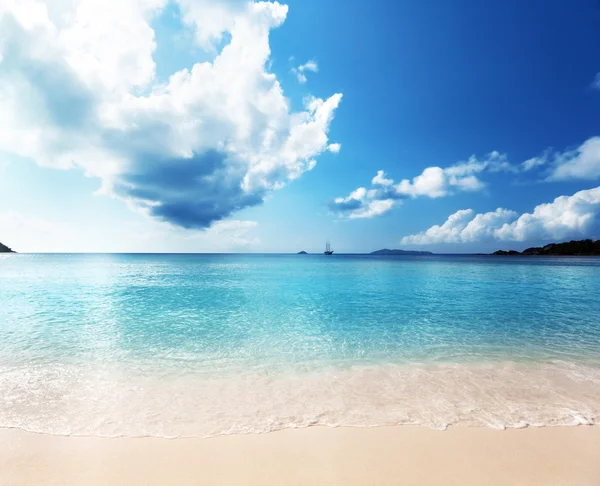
(568, 248)
(386, 251)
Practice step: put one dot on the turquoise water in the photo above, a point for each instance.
(198, 345)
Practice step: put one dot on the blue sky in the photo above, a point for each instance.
(196, 125)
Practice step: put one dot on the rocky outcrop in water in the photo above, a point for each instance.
(5, 249)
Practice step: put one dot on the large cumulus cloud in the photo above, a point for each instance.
(78, 89)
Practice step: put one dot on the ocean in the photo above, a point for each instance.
(203, 345)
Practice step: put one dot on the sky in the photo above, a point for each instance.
(236, 126)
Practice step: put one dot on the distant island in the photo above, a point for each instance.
(569, 248)
(5, 249)
(302, 253)
(386, 251)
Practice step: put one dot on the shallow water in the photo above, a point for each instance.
(200, 345)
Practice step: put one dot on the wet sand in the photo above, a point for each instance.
(401, 455)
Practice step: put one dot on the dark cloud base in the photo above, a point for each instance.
(188, 192)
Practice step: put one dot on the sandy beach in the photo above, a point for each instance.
(403, 455)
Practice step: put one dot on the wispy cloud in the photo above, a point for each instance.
(433, 182)
(436, 182)
(235, 232)
(581, 163)
(537, 161)
(300, 71)
(27, 232)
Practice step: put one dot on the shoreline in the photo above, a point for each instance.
(114, 402)
(446, 427)
(408, 454)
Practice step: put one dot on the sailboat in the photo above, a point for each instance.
(328, 250)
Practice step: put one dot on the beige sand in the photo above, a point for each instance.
(403, 455)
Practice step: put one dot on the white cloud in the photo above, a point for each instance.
(309, 66)
(334, 148)
(566, 216)
(210, 19)
(373, 208)
(447, 233)
(78, 89)
(356, 195)
(433, 182)
(301, 70)
(381, 180)
(535, 162)
(482, 226)
(360, 204)
(582, 163)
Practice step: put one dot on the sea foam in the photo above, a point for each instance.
(113, 402)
